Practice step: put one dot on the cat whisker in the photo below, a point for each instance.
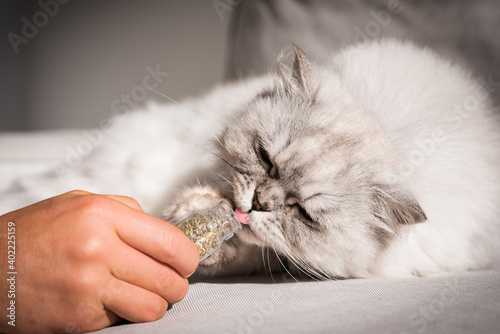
(301, 266)
(192, 113)
(264, 260)
(265, 250)
(225, 179)
(217, 183)
(305, 267)
(269, 263)
(217, 155)
(217, 179)
(284, 267)
(323, 275)
(318, 273)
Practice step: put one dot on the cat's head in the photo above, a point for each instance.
(314, 173)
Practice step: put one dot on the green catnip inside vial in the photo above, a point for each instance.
(209, 228)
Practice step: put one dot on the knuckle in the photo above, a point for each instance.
(86, 282)
(78, 192)
(92, 248)
(93, 209)
(93, 201)
(132, 202)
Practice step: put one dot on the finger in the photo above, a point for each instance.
(135, 303)
(159, 239)
(132, 202)
(139, 269)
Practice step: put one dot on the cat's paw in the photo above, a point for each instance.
(234, 257)
(190, 200)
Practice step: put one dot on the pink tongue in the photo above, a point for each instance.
(242, 216)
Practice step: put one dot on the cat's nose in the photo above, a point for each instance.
(268, 196)
(256, 206)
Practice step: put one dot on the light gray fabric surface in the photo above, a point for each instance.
(465, 303)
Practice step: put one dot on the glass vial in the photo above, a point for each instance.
(209, 228)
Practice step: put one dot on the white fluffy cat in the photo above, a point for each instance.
(383, 162)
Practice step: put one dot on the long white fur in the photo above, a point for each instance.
(457, 182)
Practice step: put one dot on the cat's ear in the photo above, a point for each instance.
(303, 72)
(303, 77)
(396, 206)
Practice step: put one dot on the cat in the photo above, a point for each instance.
(383, 162)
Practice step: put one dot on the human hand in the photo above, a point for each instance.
(84, 261)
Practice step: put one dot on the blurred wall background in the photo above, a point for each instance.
(83, 55)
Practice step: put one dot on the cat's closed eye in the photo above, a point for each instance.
(270, 167)
(264, 158)
(301, 212)
(304, 213)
